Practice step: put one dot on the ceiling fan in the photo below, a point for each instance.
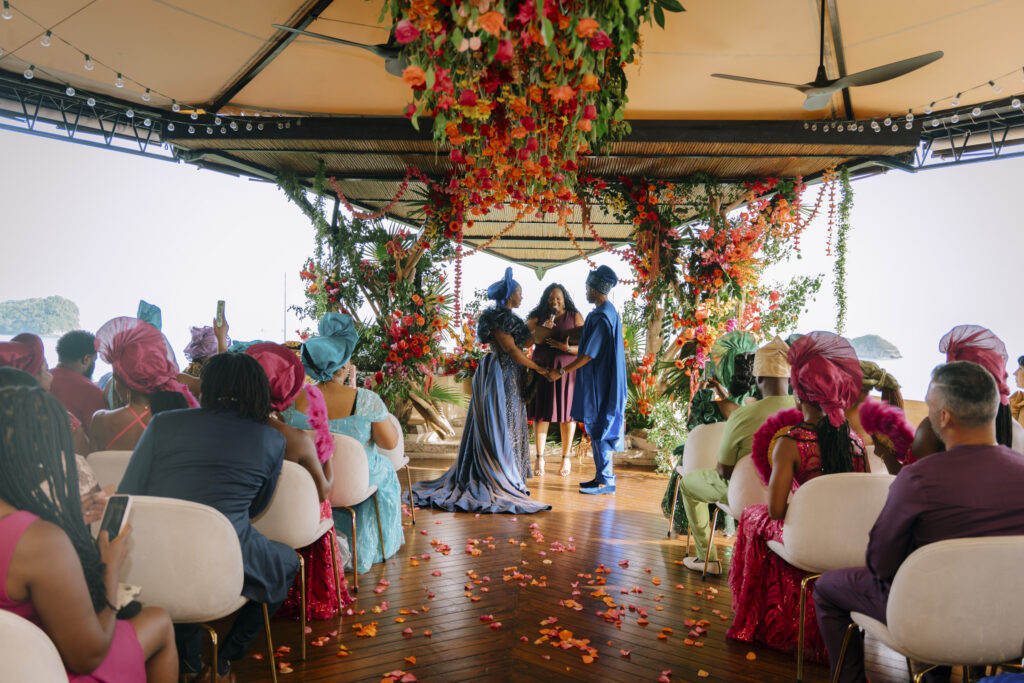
(819, 91)
(394, 64)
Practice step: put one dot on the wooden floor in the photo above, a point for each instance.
(453, 638)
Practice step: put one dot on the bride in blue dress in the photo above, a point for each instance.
(494, 454)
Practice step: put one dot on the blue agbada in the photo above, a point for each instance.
(599, 401)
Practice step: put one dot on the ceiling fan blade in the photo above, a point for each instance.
(887, 71)
(819, 99)
(385, 51)
(743, 79)
(395, 66)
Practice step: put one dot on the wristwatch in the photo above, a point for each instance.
(561, 372)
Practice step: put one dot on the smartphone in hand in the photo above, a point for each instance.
(116, 515)
(220, 313)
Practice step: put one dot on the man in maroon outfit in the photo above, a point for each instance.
(971, 489)
(72, 384)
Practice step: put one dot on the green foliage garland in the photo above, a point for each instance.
(842, 234)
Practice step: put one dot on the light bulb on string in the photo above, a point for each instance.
(129, 114)
(119, 82)
(209, 130)
(910, 115)
(191, 129)
(874, 126)
(887, 122)
(248, 126)
(175, 107)
(91, 101)
(88, 64)
(935, 123)
(6, 14)
(908, 125)
(45, 42)
(839, 128)
(146, 96)
(259, 126)
(895, 128)
(814, 126)
(955, 102)
(30, 72)
(930, 108)
(170, 126)
(955, 118)
(976, 111)
(216, 120)
(860, 129)
(223, 130)
(1015, 103)
(193, 116)
(147, 122)
(233, 125)
(69, 91)
(995, 88)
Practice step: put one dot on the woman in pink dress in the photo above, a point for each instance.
(287, 380)
(556, 312)
(791, 448)
(52, 572)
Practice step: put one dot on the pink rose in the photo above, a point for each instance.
(600, 41)
(467, 98)
(405, 32)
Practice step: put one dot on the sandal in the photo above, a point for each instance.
(566, 466)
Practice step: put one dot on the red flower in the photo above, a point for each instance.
(505, 51)
(600, 41)
(410, 110)
(405, 32)
(467, 98)
(590, 112)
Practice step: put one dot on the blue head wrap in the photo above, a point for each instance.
(149, 313)
(501, 290)
(602, 279)
(324, 355)
(243, 346)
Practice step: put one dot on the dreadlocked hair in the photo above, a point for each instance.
(1004, 426)
(236, 382)
(38, 473)
(835, 446)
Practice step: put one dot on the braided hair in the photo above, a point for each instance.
(1004, 426)
(36, 449)
(835, 446)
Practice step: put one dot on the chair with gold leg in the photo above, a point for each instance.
(827, 526)
(399, 460)
(942, 612)
(700, 453)
(351, 487)
(745, 489)
(187, 559)
(293, 518)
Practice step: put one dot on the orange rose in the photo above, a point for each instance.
(584, 125)
(414, 76)
(589, 83)
(586, 27)
(562, 93)
(493, 22)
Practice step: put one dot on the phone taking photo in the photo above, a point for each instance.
(220, 313)
(116, 515)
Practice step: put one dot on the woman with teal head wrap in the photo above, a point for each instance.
(323, 356)
(361, 414)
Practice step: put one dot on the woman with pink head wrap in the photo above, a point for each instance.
(792, 447)
(287, 380)
(145, 381)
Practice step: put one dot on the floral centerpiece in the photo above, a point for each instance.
(520, 89)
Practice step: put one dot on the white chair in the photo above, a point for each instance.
(745, 489)
(350, 487)
(875, 462)
(187, 559)
(827, 526)
(942, 611)
(699, 453)
(399, 459)
(293, 518)
(109, 466)
(27, 652)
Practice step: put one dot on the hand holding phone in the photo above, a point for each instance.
(219, 320)
(116, 515)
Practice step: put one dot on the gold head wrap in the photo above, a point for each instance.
(770, 360)
(876, 377)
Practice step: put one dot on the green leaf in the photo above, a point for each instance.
(633, 7)
(416, 119)
(439, 41)
(659, 16)
(547, 31)
(671, 6)
(431, 76)
(457, 37)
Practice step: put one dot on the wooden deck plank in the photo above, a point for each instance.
(603, 530)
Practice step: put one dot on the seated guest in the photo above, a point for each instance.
(978, 345)
(361, 414)
(55, 574)
(72, 385)
(701, 487)
(287, 380)
(1017, 397)
(25, 352)
(826, 381)
(206, 342)
(145, 381)
(970, 489)
(224, 455)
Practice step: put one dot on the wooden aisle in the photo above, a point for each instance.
(521, 576)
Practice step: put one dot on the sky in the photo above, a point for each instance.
(927, 251)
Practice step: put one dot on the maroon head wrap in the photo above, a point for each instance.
(979, 345)
(287, 378)
(140, 356)
(24, 352)
(826, 371)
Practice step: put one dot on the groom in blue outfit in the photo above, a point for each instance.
(599, 399)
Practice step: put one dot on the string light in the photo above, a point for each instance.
(910, 115)
(129, 114)
(69, 91)
(45, 42)
(930, 108)
(955, 118)
(88, 64)
(1015, 103)
(191, 129)
(955, 102)
(119, 82)
(6, 14)
(91, 101)
(976, 111)
(175, 107)
(30, 72)
(170, 126)
(147, 122)
(995, 88)
(146, 96)
(887, 122)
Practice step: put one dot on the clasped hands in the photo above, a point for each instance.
(550, 374)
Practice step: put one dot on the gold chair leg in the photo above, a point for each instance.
(213, 645)
(380, 529)
(355, 551)
(334, 564)
(270, 644)
(672, 517)
(302, 604)
(842, 652)
(919, 676)
(711, 540)
(802, 616)
(412, 505)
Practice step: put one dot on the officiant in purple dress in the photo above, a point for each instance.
(553, 400)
